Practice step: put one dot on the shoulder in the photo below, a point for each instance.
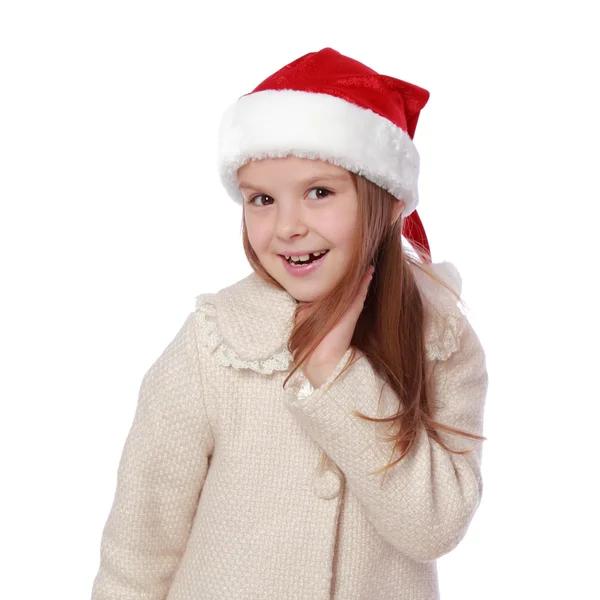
(246, 325)
(447, 328)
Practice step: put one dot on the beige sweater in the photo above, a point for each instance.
(218, 494)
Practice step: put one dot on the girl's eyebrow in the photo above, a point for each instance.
(304, 183)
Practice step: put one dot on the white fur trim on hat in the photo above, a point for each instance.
(277, 123)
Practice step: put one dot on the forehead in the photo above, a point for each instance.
(291, 168)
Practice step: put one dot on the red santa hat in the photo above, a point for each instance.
(327, 106)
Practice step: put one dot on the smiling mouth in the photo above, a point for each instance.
(312, 257)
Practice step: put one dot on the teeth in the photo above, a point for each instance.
(305, 256)
(303, 259)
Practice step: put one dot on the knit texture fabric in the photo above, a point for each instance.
(218, 492)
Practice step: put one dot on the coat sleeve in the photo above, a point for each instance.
(428, 499)
(160, 476)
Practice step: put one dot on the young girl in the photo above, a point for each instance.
(313, 431)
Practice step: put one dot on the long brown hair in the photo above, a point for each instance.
(390, 329)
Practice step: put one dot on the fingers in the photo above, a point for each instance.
(369, 275)
(366, 283)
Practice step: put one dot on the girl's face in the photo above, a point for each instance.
(296, 206)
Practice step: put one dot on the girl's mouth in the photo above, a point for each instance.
(304, 269)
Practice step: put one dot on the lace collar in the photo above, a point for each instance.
(247, 324)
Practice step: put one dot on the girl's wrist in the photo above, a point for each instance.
(318, 374)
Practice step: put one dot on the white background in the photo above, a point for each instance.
(113, 219)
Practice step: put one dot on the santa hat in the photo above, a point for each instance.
(327, 106)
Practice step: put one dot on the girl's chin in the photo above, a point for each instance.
(305, 292)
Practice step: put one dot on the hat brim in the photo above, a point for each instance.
(279, 123)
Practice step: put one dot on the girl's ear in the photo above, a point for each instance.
(398, 208)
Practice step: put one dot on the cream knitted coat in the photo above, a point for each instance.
(218, 493)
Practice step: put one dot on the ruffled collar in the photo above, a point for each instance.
(247, 325)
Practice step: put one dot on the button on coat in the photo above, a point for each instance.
(327, 485)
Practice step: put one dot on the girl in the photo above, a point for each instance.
(256, 463)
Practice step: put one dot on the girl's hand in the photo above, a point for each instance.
(321, 363)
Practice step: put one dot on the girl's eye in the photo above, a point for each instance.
(327, 192)
(252, 200)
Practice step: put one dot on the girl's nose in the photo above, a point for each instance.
(290, 222)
